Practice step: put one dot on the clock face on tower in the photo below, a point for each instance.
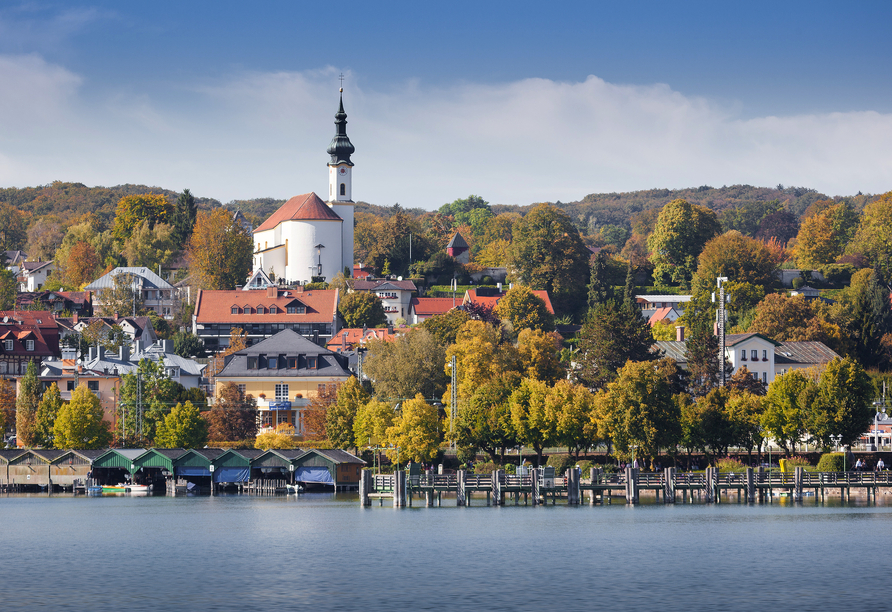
(343, 171)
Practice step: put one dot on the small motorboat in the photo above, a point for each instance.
(294, 488)
(125, 488)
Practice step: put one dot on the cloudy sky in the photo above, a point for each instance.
(518, 102)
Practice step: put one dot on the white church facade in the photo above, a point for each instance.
(308, 238)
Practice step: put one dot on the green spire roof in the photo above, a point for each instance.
(340, 148)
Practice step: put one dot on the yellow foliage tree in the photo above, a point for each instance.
(79, 423)
(282, 437)
(220, 250)
(414, 435)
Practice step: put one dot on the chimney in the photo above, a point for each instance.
(679, 333)
(272, 292)
(91, 355)
(74, 318)
(100, 352)
(117, 316)
(168, 346)
(124, 352)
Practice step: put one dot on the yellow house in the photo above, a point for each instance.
(283, 372)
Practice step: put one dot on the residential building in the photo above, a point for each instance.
(154, 292)
(350, 339)
(138, 329)
(284, 372)
(308, 238)
(262, 314)
(26, 336)
(33, 274)
(489, 297)
(74, 302)
(421, 309)
(395, 296)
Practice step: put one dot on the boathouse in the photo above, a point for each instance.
(324, 466)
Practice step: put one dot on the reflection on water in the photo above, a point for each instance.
(325, 552)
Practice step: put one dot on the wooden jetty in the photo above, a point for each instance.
(541, 486)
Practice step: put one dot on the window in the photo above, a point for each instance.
(311, 362)
(272, 362)
(93, 385)
(2, 367)
(29, 345)
(743, 354)
(296, 309)
(755, 355)
(283, 416)
(261, 310)
(252, 363)
(234, 310)
(764, 355)
(765, 377)
(273, 310)
(69, 385)
(343, 189)
(23, 368)
(292, 363)
(756, 375)
(246, 310)
(241, 389)
(281, 393)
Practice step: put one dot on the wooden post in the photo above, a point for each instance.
(497, 477)
(460, 488)
(399, 489)
(669, 485)
(750, 488)
(364, 488)
(596, 480)
(534, 488)
(797, 483)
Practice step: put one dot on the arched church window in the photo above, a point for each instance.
(343, 189)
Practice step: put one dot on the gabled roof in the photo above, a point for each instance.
(428, 307)
(216, 306)
(491, 300)
(150, 280)
(384, 285)
(290, 344)
(734, 339)
(306, 207)
(457, 242)
(258, 280)
(809, 353)
(335, 455)
(358, 335)
(34, 266)
(36, 325)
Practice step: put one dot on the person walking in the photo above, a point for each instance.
(881, 466)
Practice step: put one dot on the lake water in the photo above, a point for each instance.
(324, 552)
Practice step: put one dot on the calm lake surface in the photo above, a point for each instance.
(324, 552)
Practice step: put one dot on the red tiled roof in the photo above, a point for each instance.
(215, 306)
(491, 301)
(358, 335)
(36, 324)
(428, 307)
(659, 315)
(306, 207)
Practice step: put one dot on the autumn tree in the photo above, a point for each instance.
(134, 209)
(47, 411)
(315, 415)
(150, 246)
(183, 218)
(745, 415)
(797, 319)
(611, 336)
(79, 423)
(480, 355)
(548, 253)
(523, 309)
(781, 225)
(340, 416)
(743, 381)
(220, 250)
(233, 416)
(282, 437)
(123, 297)
(9, 287)
(680, 234)
(711, 424)
(445, 327)
(44, 237)
(873, 237)
(484, 421)
(573, 406)
(736, 257)
(533, 423)
(842, 405)
(408, 364)
(26, 407)
(83, 264)
(538, 355)
(414, 434)
(184, 427)
(12, 228)
(371, 423)
(362, 309)
(7, 403)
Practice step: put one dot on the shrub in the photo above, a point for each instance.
(585, 468)
(560, 463)
(790, 465)
(466, 454)
(832, 462)
(838, 273)
(798, 282)
(729, 464)
(511, 469)
(486, 467)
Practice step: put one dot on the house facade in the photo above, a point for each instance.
(421, 309)
(395, 296)
(263, 314)
(284, 372)
(78, 303)
(33, 274)
(154, 292)
(26, 336)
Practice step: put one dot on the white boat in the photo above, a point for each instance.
(295, 488)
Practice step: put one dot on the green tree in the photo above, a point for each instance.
(26, 407)
(680, 234)
(182, 428)
(611, 336)
(524, 310)
(639, 409)
(340, 416)
(146, 393)
(123, 297)
(414, 435)
(745, 413)
(872, 318)
(573, 406)
(445, 327)
(9, 287)
(371, 423)
(842, 405)
(234, 415)
(873, 237)
(533, 423)
(737, 257)
(786, 405)
(47, 411)
(187, 344)
(134, 209)
(548, 253)
(712, 428)
(79, 423)
(464, 205)
(13, 232)
(599, 288)
(183, 218)
(361, 309)
(410, 363)
(220, 250)
(484, 421)
(151, 246)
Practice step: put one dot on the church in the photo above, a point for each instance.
(307, 238)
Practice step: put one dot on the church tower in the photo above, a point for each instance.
(340, 182)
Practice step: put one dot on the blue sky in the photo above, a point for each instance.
(517, 102)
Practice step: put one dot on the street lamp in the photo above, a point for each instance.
(836, 439)
(634, 461)
(880, 415)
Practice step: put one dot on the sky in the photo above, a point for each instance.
(517, 102)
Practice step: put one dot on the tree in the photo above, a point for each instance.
(573, 406)
(7, 403)
(187, 344)
(134, 209)
(414, 434)
(315, 416)
(873, 237)
(745, 413)
(743, 381)
(611, 336)
(871, 318)
(26, 407)
(371, 423)
(842, 405)
(680, 234)
(712, 427)
(464, 205)
(79, 423)
(44, 237)
(282, 437)
(12, 228)
(340, 416)
(781, 225)
(786, 405)
(123, 297)
(796, 319)
(639, 410)
(702, 346)
(816, 243)
(220, 250)
(445, 327)
(524, 310)
(182, 428)
(548, 253)
(484, 421)
(9, 287)
(737, 257)
(533, 423)
(83, 264)
(183, 218)
(494, 254)
(234, 415)
(539, 355)
(410, 363)
(145, 398)
(480, 356)
(362, 309)
(47, 411)
(599, 288)
(151, 246)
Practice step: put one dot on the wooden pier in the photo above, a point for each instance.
(669, 486)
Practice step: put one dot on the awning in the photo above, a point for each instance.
(313, 474)
(231, 474)
(186, 470)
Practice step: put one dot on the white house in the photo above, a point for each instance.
(155, 292)
(395, 296)
(32, 275)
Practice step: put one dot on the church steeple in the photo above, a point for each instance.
(340, 148)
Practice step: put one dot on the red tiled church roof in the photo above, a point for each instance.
(306, 207)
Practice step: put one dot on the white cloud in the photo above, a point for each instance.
(265, 134)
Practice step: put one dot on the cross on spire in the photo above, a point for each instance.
(341, 78)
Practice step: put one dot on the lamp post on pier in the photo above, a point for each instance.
(836, 439)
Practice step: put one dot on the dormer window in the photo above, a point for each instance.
(7, 345)
(312, 362)
(261, 310)
(292, 363)
(252, 363)
(246, 310)
(273, 310)
(272, 362)
(29, 345)
(297, 309)
(234, 310)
